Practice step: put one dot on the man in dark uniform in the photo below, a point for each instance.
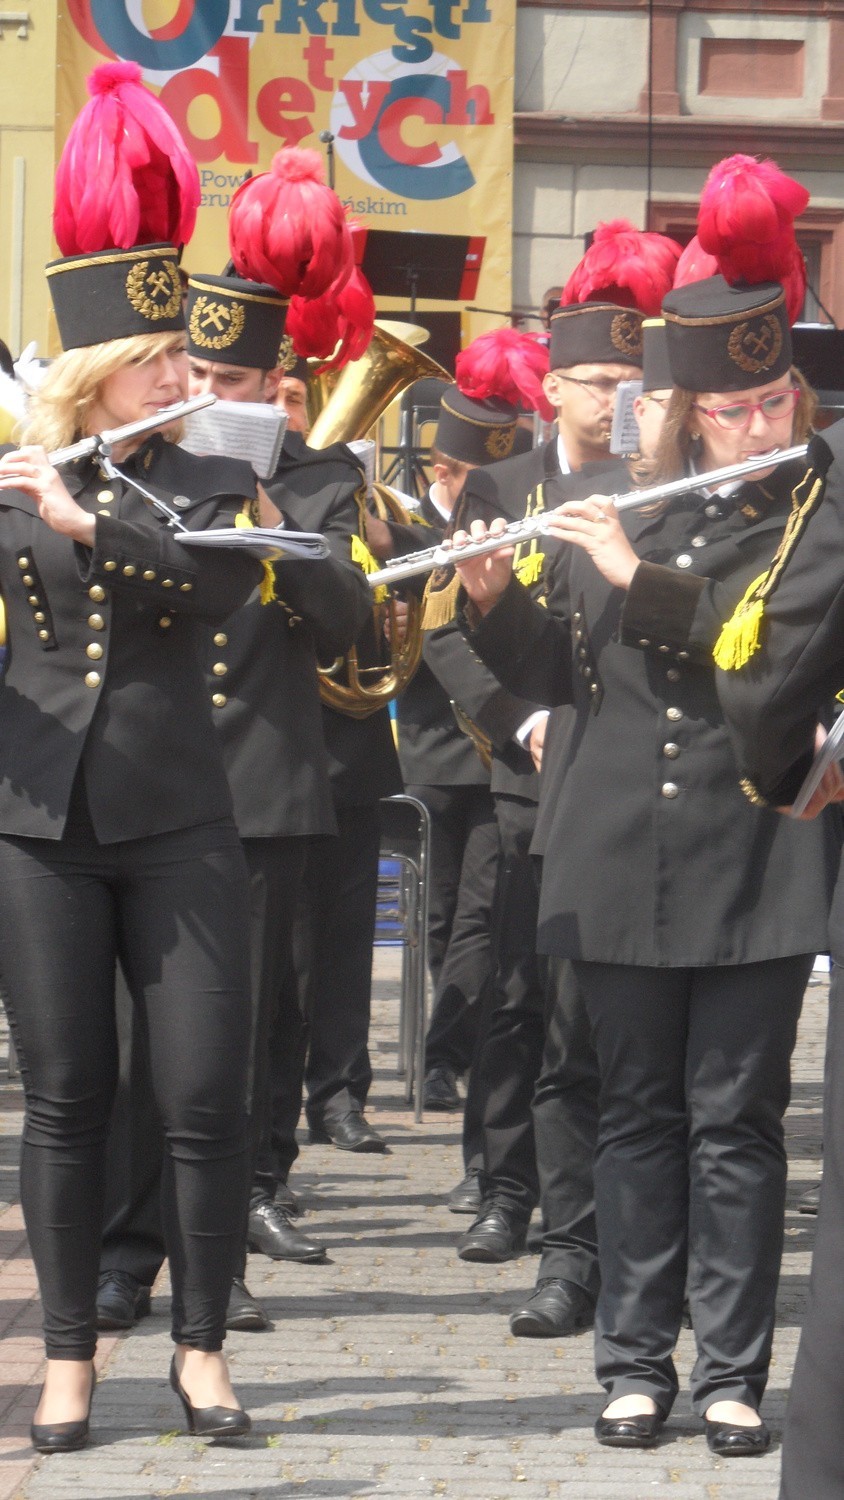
(444, 769)
(593, 347)
(773, 705)
(262, 676)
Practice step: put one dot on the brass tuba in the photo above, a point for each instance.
(350, 404)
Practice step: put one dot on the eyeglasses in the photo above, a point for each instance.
(602, 390)
(739, 413)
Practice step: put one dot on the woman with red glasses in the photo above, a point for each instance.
(690, 916)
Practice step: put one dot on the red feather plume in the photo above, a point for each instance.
(746, 221)
(336, 327)
(508, 365)
(287, 228)
(695, 264)
(628, 266)
(125, 176)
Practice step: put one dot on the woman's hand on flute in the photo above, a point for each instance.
(484, 578)
(593, 524)
(30, 470)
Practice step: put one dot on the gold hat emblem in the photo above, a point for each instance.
(499, 441)
(286, 353)
(154, 290)
(756, 346)
(216, 325)
(626, 335)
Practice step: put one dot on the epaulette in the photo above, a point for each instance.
(741, 635)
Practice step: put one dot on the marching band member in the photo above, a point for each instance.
(261, 673)
(117, 832)
(690, 917)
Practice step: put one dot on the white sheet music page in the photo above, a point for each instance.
(250, 430)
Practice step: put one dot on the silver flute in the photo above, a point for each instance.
(414, 563)
(103, 442)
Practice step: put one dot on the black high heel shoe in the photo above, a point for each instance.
(209, 1421)
(63, 1437)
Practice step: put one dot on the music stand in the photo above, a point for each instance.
(408, 263)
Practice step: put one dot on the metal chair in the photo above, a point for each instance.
(403, 917)
(419, 414)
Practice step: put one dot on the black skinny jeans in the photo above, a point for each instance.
(174, 909)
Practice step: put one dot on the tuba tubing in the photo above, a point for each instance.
(352, 405)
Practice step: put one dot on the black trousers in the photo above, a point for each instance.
(508, 1053)
(463, 863)
(133, 1238)
(690, 1169)
(565, 1124)
(812, 1450)
(173, 910)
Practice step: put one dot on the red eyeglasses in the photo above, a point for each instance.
(738, 413)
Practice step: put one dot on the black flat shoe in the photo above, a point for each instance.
(209, 1421)
(641, 1430)
(63, 1437)
(350, 1132)
(730, 1440)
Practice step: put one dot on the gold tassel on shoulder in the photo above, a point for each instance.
(244, 522)
(741, 636)
(440, 604)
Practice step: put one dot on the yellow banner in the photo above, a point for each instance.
(411, 102)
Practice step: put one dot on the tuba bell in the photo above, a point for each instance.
(350, 403)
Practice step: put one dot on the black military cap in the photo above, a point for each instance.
(656, 369)
(116, 294)
(727, 338)
(475, 432)
(595, 333)
(235, 322)
(292, 363)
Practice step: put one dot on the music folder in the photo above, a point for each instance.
(269, 543)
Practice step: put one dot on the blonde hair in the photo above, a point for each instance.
(676, 447)
(59, 411)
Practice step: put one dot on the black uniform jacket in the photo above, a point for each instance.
(514, 488)
(363, 765)
(774, 702)
(433, 751)
(102, 665)
(261, 663)
(654, 856)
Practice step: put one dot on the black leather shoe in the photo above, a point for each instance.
(271, 1232)
(553, 1311)
(63, 1437)
(351, 1132)
(210, 1421)
(286, 1197)
(810, 1201)
(496, 1235)
(640, 1431)
(439, 1091)
(121, 1300)
(730, 1440)
(245, 1311)
(466, 1197)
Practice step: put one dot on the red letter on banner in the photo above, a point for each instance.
(363, 116)
(230, 92)
(389, 131)
(461, 98)
(282, 94)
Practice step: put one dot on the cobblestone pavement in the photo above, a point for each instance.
(391, 1371)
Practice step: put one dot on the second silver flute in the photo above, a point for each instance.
(414, 563)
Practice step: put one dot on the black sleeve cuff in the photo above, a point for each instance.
(660, 607)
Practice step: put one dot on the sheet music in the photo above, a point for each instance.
(832, 749)
(250, 430)
(624, 437)
(270, 543)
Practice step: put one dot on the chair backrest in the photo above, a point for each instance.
(421, 405)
